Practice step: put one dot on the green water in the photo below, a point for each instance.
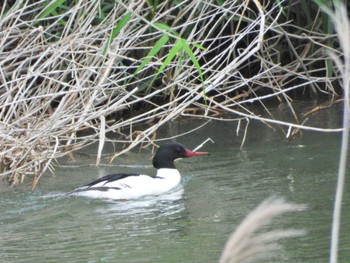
(192, 223)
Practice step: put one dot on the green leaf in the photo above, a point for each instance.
(121, 23)
(166, 28)
(50, 9)
(154, 4)
(198, 67)
(160, 43)
(194, 60)
(172, 53)
(323, 5)
(199, 46)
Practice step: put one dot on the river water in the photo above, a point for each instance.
(192, 223)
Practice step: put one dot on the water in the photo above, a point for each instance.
(193, 222)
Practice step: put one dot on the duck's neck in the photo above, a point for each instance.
(168, 173)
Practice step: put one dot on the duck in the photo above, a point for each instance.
(125, 186)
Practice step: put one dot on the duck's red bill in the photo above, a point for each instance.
(189, 153)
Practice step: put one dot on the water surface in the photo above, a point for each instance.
(192, 223)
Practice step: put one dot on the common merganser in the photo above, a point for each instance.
(131, 186)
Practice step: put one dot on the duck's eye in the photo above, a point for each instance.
(177, 149)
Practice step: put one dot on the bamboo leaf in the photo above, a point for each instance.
(172, 53)
(51, 8)
(154, 4)
(159, 44)
(322, 4)
(198, 67)
(199, 46)
(166, 28)
(194, 60)
(121, 23)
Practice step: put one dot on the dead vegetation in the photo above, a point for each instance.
(247, 244)
(88, 67)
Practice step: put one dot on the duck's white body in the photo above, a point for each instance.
(132, 186)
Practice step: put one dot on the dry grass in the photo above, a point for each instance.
(342, 27)
(60, 75)
(248, 243)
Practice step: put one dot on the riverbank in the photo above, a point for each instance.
(108, 67)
